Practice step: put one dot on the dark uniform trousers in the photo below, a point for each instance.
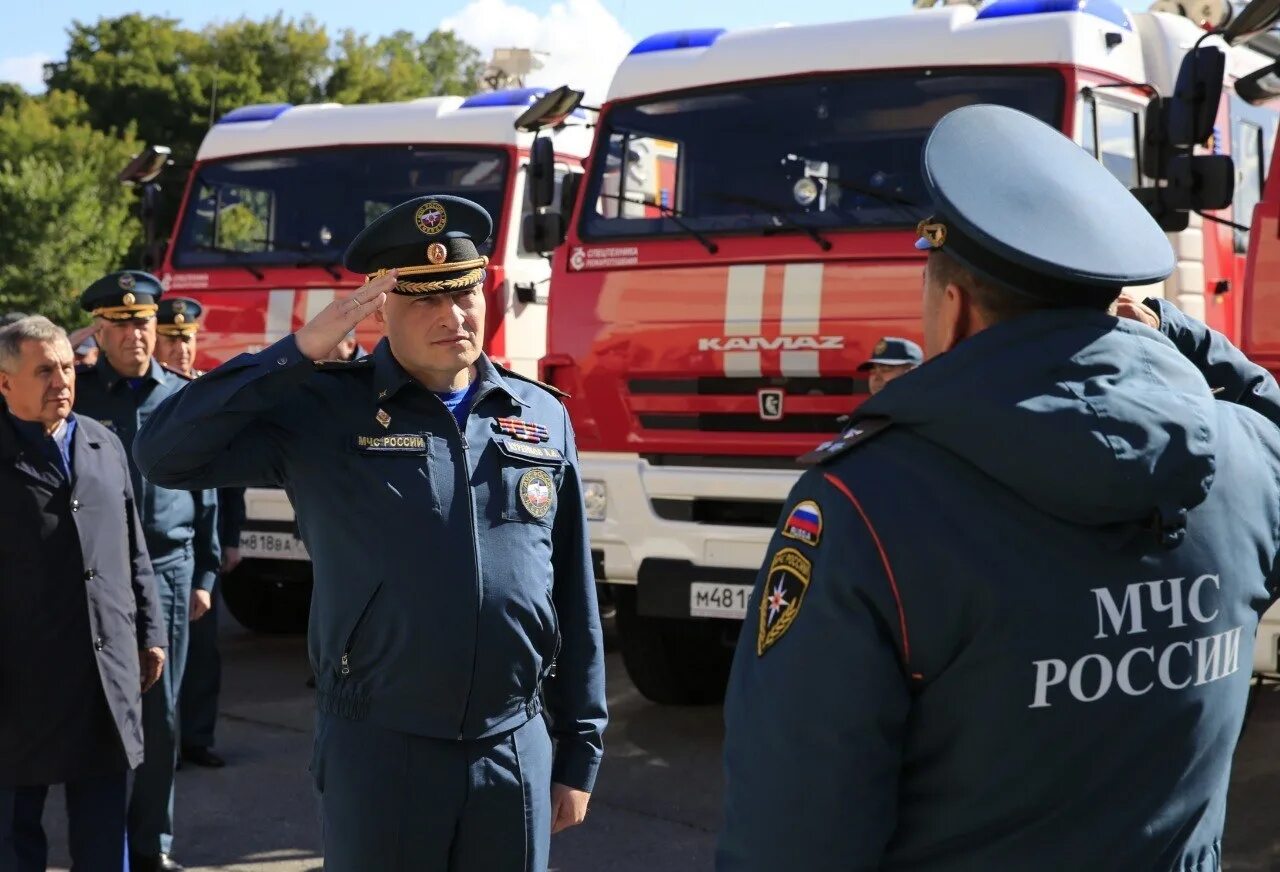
(151, 804)
(202, 680)
(395, 801)
(95, 818)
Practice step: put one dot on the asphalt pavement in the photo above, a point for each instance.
(656, 806)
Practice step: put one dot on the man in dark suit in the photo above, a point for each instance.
(81, 634)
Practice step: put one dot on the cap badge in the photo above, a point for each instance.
(881, 349)
(932, 232)
(127, 283)
(179, 306)
(536, 487)
(179, 318)
(383, 418)
(437, 253)
(128, 299)
(430, 217)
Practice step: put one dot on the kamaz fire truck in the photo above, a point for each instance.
(277, 192)
(742, 237)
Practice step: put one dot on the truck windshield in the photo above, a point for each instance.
(304, 207)
(813, 153)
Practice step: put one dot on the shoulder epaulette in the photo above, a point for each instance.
(179, 373)
(862, 431)
(344, 365)
(511, 373)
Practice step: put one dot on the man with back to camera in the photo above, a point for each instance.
(439, 498)
(1006, 620)
(121, 390)
(81, 635)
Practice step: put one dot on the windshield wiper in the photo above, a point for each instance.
(235, 253)
(778, 213)
(886, 197)
(668, 212)
(312, 259)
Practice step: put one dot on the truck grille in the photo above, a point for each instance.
(707, 510)
(719, 404)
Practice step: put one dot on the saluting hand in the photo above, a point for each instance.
(1129, 306)
(77, 337)
(152, 662)
(318, 336)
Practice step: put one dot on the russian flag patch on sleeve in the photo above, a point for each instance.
(804, 523)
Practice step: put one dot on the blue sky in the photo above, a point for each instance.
(582, 36)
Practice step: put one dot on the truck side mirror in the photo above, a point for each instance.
(541, 175)
(569, 186)
(542, 232)
(1194, 106)
(1195, 183)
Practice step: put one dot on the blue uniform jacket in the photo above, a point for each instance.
(173, 520)
(1006, 622)
(450, 567)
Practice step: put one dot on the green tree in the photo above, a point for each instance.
(65, 218)
(399, 67)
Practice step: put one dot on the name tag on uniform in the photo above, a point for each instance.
(400, 443)
(527, 451)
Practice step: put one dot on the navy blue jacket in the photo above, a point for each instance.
(440, 599)
(175, 521)
(1021, 635)
(77, 602)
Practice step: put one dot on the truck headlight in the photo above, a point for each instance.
(596, 498)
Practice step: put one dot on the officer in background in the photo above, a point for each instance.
(440, 499)
(890, 358)
(177, 323)
(125, 387)
(1006, 620)
(177, 329)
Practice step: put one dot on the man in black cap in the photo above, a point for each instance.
(892, 357)
(1007, 618)
(121, 390)
(439, 497)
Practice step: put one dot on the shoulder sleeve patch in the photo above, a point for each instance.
(343, 365)
(861, 431)
(510, 373)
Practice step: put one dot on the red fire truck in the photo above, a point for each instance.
(741, 238)
(277, 192)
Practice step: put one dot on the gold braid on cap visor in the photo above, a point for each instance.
(474, 274)
(188, 329)
(126, 313)
(933, 232)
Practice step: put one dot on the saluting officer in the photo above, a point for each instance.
(122, 390)
(1006, 620)
(439, 497)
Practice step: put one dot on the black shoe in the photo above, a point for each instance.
(155, 863)
(203, 757)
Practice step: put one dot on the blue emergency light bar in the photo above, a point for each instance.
(700, 38)
(512, 97)
(256, 112)
(1108, 10)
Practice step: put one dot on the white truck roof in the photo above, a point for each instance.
(1100, 36)
(484, 119)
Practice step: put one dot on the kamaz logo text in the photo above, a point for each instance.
(777, 343)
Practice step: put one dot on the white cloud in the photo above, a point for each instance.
(25, 70)
(583, 42)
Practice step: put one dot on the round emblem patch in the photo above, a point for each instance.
(437, 253)
(179, 306)
(430, 217)
(128, 299)
(536, 487)
(881, 348)
(127, 282)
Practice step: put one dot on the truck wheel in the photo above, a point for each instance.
(268, 598)
(673, 661)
